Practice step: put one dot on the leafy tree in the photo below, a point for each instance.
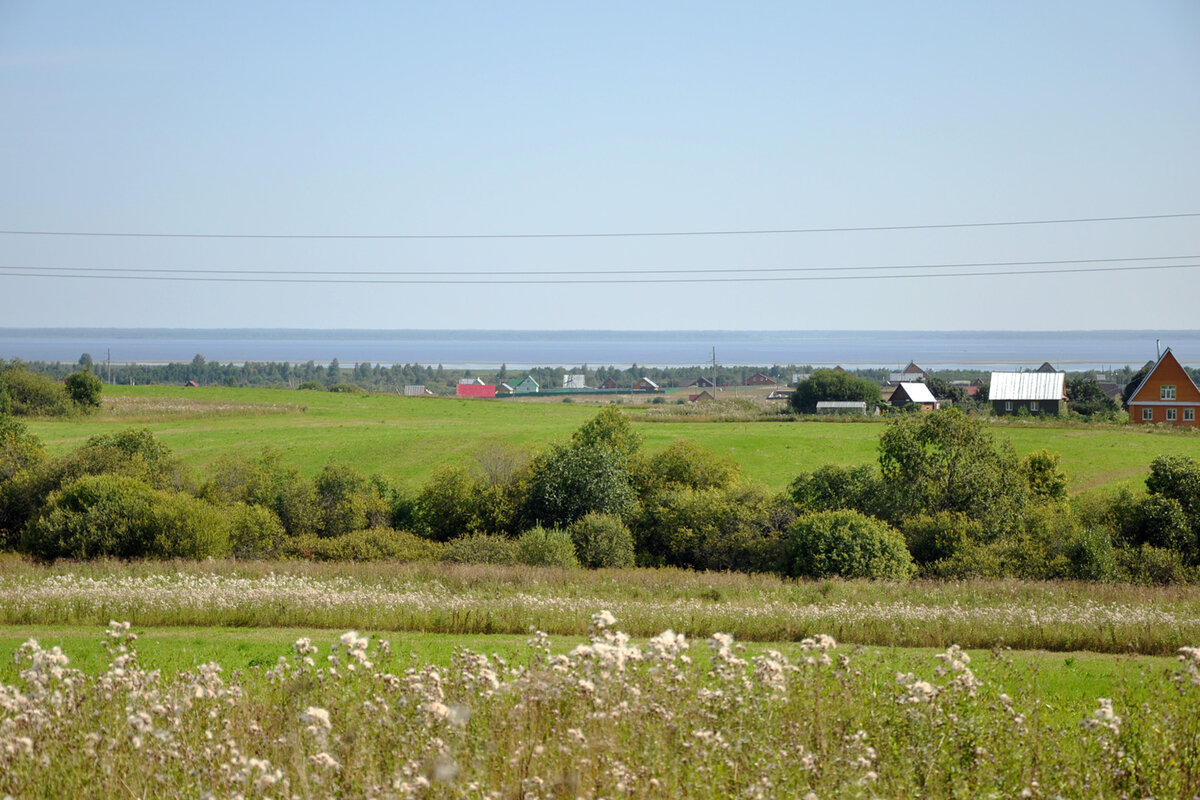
(685, 464)
(1133, 384)
(1088, 399)
(947, 461)
(831, 487)
(572, 480)
(85, 362)
(31, 393)
(828, 384)
(610, 429)
(445, 506)
(1046, 479)
(84, 389)
(942, 389)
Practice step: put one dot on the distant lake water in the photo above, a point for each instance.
(521, 349)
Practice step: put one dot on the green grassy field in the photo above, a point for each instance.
(407, 437)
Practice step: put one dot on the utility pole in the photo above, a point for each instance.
(108, 364)
(714, 359)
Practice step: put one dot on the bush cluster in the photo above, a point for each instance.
(944, 500)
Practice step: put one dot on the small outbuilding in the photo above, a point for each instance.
(416, 390)
(475, 390)
(574, 381)
(700, 398)
(842, 407)
(1038, 393)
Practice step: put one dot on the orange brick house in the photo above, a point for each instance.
(1167, 394)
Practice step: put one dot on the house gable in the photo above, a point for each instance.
(1166, 394)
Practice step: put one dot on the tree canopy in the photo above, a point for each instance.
(829, 384)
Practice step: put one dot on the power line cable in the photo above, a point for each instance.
(598, 235)
(637, 271)
(11, 272)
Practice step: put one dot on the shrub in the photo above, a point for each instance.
(719, 529)
(372, 544)
(832, 487)
(445, 506)
(1152, 565)
(602, 540)
(546, 547)
(112, 515)
(347, 388)
(255, 532)
(348, 501)
(33, 394)
(312, 386)
(1046, 480)
(844, 544)
(935, 537)
(481, 548)
(685, 464)
(84, 389)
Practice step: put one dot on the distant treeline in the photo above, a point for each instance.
(439, 379)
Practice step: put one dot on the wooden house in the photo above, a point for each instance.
(759, 379)
(701, 383)
(645, 385)
(1167, 394)
(910, 374)
(609, 383)
(700, 398)
(1036, 392)
(526, 385)
(913, 392)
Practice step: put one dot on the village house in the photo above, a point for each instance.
(575, 381)
(700, 398)
(910, 374)
(610, 384)
(700, 383)
(759, 379)
(1167, 394)
(526, 385)
(913, 392)
(645, 385)
(1035, 392)
(416, 390)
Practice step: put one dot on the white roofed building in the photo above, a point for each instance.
(1036, 392)
(913, 392)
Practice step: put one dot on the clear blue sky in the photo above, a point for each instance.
(500, 118)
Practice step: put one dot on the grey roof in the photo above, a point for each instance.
(1027, 386)
(861, 404)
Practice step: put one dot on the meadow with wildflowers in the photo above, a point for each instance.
(674, 715)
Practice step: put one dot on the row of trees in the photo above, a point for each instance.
(944, 499)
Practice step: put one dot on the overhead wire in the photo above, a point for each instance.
(599, 234)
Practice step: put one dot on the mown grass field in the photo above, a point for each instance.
(407, 437)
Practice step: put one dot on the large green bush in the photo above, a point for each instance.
(255, 532)
(831, 487)
(546, 547)
(736, 528)
(602, 540)
(845, 544)
(481, 548)
(570, 481)
(686, 465)
(84, 389)
(112, 515)
(31, 393)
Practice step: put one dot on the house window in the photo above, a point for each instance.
(1172, 415)
(1147, 414)
(1166, 393)
(1008, 405)
(1189, 415)
(1033, 406)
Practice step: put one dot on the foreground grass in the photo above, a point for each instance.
(407, 437)
(668, 717)
(456, 599)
